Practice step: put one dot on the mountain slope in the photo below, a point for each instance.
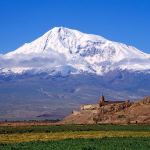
(65, 68)
(70, 51)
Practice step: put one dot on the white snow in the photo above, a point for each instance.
(73, 51)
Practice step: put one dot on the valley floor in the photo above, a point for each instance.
(75, 137)
(114, 143)
(27, 137)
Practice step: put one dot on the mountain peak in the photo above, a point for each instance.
(62, 29)
(58, 29)
(84, 52)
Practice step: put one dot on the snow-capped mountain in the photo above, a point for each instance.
(65, 68)
(70, 51)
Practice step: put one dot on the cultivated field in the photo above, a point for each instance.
(75, 137)
(83, 144)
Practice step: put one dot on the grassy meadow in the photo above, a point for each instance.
(75, 137)
(68, 128)
(83, 144)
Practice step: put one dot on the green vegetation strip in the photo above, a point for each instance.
(83, 144)
(66, 128)
(26, 137)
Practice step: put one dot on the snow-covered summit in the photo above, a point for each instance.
(62, 47)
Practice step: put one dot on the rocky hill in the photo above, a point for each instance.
(124, 112)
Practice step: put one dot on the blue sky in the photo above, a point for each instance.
(126, 21)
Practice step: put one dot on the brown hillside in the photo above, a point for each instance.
(109, 112)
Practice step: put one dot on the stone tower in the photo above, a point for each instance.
(102, 101)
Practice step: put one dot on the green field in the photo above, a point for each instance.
(83, 144)
(75, 137)
(67, 128)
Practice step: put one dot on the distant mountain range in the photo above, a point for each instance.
(65, 68)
